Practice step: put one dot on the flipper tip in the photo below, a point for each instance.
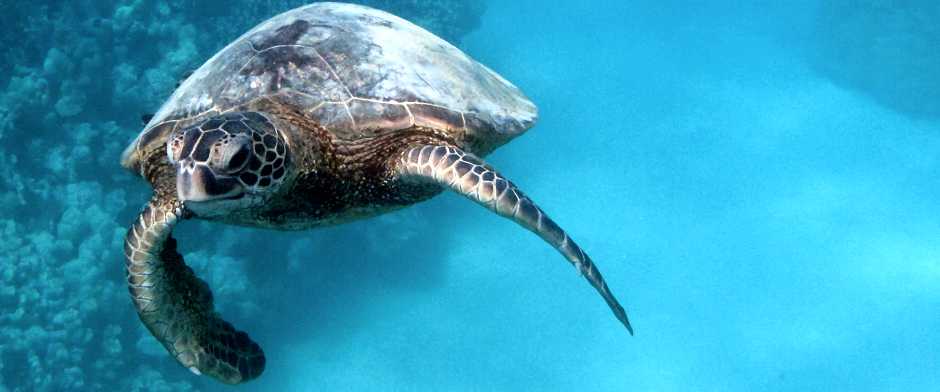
(622, 316)
(626, 323)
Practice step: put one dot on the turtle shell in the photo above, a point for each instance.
(358, 71)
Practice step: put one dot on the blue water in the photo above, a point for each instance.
(757, 184)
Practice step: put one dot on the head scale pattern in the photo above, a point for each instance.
(242, 147)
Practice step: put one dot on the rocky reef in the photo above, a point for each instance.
(74, 79)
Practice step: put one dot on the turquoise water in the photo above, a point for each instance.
(756, 183)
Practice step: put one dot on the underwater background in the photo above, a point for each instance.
(756, 181)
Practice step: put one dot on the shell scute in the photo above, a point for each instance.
(357, 71)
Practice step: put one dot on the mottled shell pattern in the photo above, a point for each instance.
(358, 71)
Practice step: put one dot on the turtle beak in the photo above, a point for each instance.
(197, 183)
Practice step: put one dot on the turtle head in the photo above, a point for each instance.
(228, 162)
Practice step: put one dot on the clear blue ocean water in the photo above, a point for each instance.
(756, 182)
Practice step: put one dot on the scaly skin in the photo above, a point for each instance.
(176, 306)
(470, 176)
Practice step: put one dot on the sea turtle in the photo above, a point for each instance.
(318, 116)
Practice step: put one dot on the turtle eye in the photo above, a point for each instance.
(230, 154)
(238, 160)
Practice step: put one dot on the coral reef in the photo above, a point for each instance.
(75, 78)
(888, 50)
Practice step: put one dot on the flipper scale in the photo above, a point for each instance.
(177, 307)
(472, 177)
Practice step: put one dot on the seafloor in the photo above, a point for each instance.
(758, 184)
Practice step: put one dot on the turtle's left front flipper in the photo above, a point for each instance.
(177, 307)
(471, 177)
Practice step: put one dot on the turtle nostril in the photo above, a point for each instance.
(187, 165)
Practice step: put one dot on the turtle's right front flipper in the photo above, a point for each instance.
(468, 175)
(177, 307)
